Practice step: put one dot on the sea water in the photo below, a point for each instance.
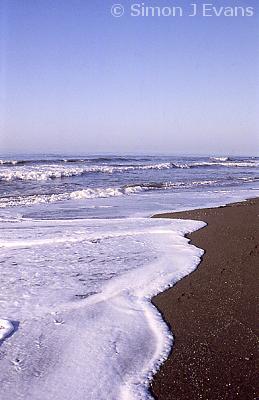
(80, 260)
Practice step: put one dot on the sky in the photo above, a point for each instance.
(76, 79)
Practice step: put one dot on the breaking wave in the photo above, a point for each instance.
(92, 193)
(47, 172)
(227, 163)
(58, 168)
(220, 158)
(78, 160)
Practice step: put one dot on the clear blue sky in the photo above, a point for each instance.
(75, 79)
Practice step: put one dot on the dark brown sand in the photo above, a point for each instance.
(212, 312)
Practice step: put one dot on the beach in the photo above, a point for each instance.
(76, 232)
(212, 311)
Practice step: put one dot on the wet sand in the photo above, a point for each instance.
(212, 312)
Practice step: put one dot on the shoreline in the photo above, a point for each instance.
(212, 311)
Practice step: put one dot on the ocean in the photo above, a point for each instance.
(80, 260)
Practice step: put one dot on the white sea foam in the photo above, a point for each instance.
(78, 291)
(6, 328)
(35, 173)
(90, 193)
(97, 192)
(8, 162)
(107, 192)
(81, 292)
(52, 171)
(219, 158)
(218, 163)
(57, 171)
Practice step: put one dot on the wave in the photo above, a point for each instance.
(42, 161)
(229, 164)
(9, 162)
(25, 170)
(137, 188)
(38, 174)
(20, 162)
(236, 159)
(130, 189)
(48, 172)
(220, 158)
(89, 193)
(55, 159)
(20, 172)
(93, 193)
